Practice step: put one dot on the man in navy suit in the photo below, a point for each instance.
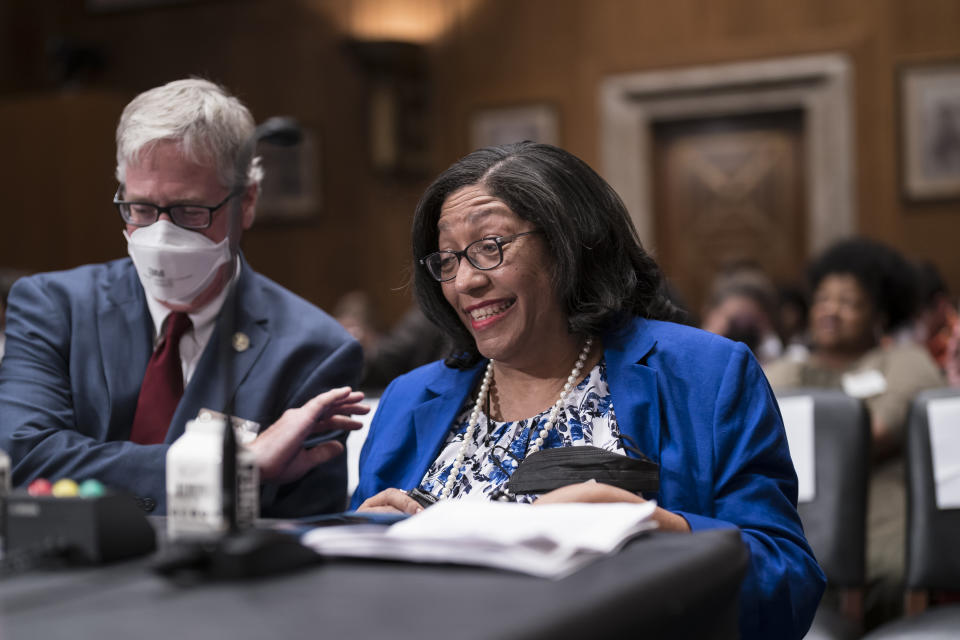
(79, 341)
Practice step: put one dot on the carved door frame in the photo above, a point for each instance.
(820, 86)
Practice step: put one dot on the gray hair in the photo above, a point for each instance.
(208, 123)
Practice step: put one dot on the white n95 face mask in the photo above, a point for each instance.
(174, 264)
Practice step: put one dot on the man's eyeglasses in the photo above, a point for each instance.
(188, 216)
(484, 254)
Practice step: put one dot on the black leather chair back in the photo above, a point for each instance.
(933, 535)
(835, 520)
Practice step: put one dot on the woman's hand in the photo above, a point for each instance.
(589, 491)
(593, 491)
(391, 501)
(279, 449)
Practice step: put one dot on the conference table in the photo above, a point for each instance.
(658, 585)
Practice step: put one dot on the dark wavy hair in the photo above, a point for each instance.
(601, 273)
(885, 275)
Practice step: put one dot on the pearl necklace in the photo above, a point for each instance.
(459, 468)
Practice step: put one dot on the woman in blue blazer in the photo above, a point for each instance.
(529, 262)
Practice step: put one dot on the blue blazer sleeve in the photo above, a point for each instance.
(755, 488)
(374, 478)
(324, 488)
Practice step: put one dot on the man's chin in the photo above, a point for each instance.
(198, 302)
(205, 296)
(185, 308)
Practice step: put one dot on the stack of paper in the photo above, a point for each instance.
(549, 541)
(797, 412)
(944, 420)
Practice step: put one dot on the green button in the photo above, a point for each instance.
(91, 488)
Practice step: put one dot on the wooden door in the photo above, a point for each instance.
(729, 190)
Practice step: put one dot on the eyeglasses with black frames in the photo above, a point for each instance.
(484, 254)
(189, 216)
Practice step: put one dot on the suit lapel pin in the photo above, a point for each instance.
(241, 342)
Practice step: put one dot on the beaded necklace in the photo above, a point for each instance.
(459, 467)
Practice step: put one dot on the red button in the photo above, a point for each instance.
(39, 487)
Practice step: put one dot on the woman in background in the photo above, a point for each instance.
(742, 306)
(862, 292)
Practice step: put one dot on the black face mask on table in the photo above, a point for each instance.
(551, 469)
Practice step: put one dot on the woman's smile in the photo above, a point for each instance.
(487, 313)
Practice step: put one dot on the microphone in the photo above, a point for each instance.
(282, 131)
(279, 130)
(237, 496)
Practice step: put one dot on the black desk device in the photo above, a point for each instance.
(87, 530)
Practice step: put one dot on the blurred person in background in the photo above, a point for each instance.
(411, 342)
(951, 365)
(862, 291)
(792, 311)
(742, 307)
(354, 311)
(937, 316)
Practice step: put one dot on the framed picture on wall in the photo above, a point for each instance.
(502, 125)
(930, 126)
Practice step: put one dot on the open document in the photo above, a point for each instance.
(550, 541)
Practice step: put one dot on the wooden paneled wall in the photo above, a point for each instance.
(287, 56)
(504, 52)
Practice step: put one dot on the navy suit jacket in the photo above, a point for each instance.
(78, 343)
(697, 404)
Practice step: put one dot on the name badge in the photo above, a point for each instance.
(864, 384)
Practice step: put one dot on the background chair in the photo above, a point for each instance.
(933, 538)
(835, 519)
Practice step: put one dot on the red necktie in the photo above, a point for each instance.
(162, 385)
